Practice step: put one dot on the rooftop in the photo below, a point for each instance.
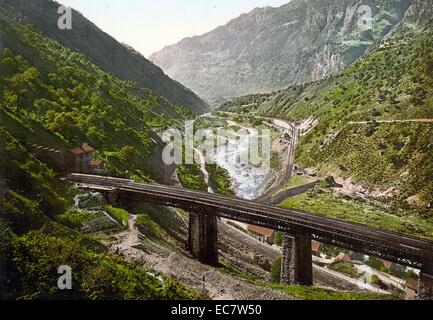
(260, 230)
(84, 149)
(95, 162)
(315, 246)
(342, 257)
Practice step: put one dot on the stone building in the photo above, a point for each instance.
(342, 257)
(78, 159)
(315, 248)
(83, 158)
(261, 234)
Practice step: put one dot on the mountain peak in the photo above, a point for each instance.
(269, 48)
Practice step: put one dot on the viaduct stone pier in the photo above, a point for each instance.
(112, 197)
(202, 231)
(203, 237)
(297, 264)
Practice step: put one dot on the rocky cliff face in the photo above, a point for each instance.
(271, 48)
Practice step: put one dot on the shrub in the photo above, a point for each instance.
(148, 227)
(276, 271)
(345, 269)
(120, 215)
(278, 238)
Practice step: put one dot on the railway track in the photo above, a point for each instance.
(399, 248)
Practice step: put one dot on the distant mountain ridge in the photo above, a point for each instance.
(101, 49)
(271, 48)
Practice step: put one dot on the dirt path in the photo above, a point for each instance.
(212, 282)
(393, 121)
(127, 241)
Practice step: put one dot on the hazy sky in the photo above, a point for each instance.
(149, 25)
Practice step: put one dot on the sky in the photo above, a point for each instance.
(150, 25)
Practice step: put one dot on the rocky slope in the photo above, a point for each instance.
(101, 49)
(373, 120)
(271, 48)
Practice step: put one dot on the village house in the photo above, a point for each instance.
(78, 159)
(342, 257)
(261, 234)
(315, 248)
(83, 157)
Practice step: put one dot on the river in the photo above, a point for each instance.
(248, 181)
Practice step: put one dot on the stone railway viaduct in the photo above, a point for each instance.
(299, 228)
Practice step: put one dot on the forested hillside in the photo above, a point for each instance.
(101, 49)
(55, 97)
(362, 114)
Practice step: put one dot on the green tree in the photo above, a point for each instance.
(278, 239)
(5, 256)
(276, 271)
(127, 154)
(375, 263)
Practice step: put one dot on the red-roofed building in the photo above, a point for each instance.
(342, 257)
(78, 159)
(97, 166)
(87, 149)
(83, 156)
(315, 247)
(386, 264)
(77, 151)
(261, 234)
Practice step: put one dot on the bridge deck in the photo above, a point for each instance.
(399, 248)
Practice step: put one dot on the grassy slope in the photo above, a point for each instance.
(357, 210)
(53, 96)
(297, 181)
(392, 82)
(32, 261)
(305, 293)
